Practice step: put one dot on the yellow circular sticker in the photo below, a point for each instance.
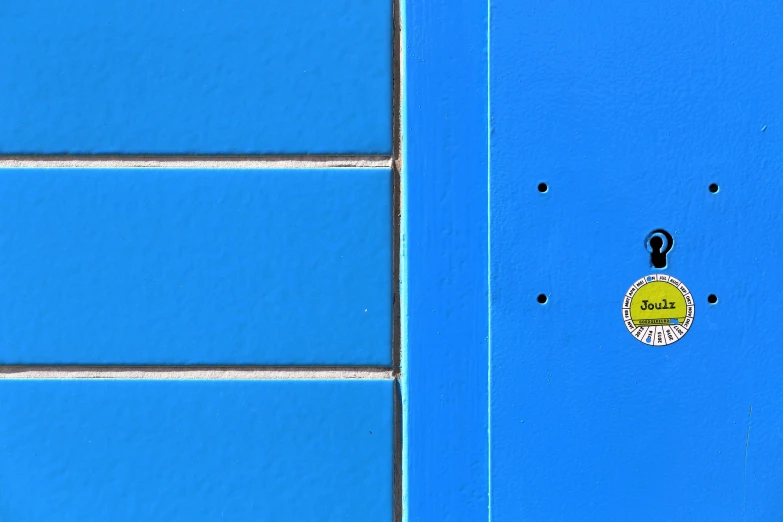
(658, 310)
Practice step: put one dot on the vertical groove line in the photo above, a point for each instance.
(397, 58)
(489, 264)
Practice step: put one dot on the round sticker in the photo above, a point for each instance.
(658, 310)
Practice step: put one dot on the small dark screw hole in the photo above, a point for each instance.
(713, 188)
(712, 298)
(542, 187)
(542, 298)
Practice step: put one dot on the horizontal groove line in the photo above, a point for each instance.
(197, 372)
(210, 162)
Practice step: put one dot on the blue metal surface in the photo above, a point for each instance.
(170, 266)
(195, 450)
(629, 111)
(445, 262)
(195, 77)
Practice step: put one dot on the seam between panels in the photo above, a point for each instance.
(398, 310)
(198, 372)
(489, 265)
(203, 162)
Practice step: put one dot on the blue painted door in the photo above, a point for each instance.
(609, 121)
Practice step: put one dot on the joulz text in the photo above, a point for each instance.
(665, 305)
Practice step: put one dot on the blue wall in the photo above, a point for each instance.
(196, 266)
(275, 269)
(199, 77)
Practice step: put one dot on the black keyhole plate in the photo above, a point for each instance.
(659, 243)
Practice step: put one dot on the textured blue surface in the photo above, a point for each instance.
(150, 266)
(629, 111)
(445, 259)
(195, 450)
(195, 77)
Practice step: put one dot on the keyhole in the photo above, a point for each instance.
(659, 243)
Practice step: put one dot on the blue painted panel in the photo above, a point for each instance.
(629, 111)
(195, 450)
(151, 266)
(445, 262)
(195, 77)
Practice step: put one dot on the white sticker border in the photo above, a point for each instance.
(658, 335)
